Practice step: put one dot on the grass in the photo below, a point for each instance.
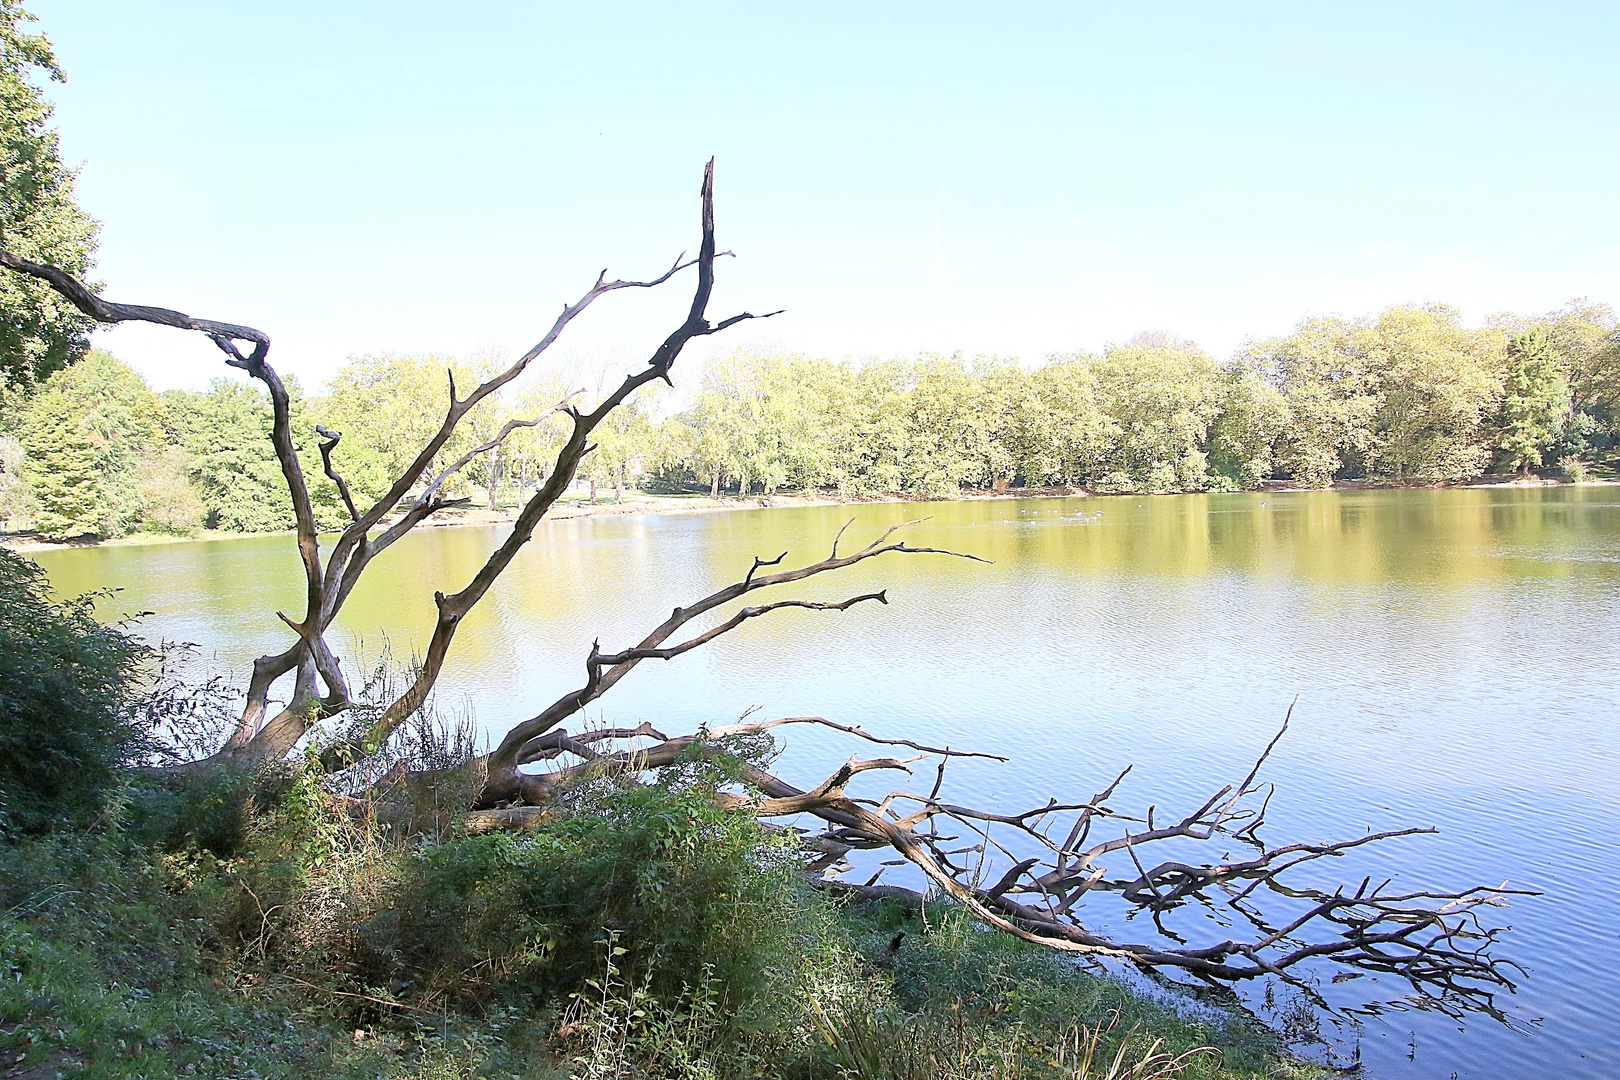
(646, 936)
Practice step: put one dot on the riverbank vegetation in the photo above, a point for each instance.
(262, 925)
(1408, 395)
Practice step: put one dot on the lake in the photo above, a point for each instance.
(1449, 650)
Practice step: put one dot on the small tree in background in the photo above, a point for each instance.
(16, 497)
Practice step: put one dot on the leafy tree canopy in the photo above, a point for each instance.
(39, 219)
(387, 407)
(85, 433)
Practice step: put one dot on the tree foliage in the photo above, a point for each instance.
(1535, 400)
(225, 435)
(387, 406)
(16, 497)
(1410, 394)
(64, 679)
(39, 219)
(85, 434)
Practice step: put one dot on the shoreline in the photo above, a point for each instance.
(639, 503)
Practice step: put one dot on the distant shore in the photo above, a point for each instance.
(639, 503)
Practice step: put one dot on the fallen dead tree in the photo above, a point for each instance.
(1439, 942)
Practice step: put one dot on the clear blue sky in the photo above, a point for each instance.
(367, 176)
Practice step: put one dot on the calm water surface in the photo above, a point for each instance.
(1452, 653)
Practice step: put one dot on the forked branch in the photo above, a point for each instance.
(603, 671)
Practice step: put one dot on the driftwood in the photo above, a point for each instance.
(1441, 943)
(1438, 941)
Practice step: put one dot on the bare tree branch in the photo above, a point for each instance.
(500, 437)
(329, 441)
(225, 336)
(1434, 939)
(454, 607)
(604, 671)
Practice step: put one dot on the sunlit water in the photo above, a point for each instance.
(1452, 653)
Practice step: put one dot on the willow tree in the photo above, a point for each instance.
(1057, 855)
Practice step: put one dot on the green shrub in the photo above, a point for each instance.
(1116, 483)
(64, 684)
(691, 893)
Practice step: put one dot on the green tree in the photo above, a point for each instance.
(1069, 435)
(1584, 340)
(951, 429)
(169, 499)
(1331, 395)
(226, 432)
(742, 418)
(39, 219)
(1162, 401)
(1535, 400)
(529, 452)
(85, 434)
(1242, 442)
(623, 445)
(387, 407)
(226, 436)
(1437, 385)
(16, 497)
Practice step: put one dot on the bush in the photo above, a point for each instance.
(64, 683)
(1116, 483)
(643, 929)
(693, 895)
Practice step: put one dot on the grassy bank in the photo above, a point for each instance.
(268, 932)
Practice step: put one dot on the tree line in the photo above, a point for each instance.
(1410, 394)
(86, 447)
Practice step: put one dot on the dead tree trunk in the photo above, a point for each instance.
(320, 689)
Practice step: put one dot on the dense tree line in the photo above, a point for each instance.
(1410, 394)
(95, 451)
(1407, 395)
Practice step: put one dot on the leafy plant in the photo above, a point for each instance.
(64, 681)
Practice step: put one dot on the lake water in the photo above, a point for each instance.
(1452, 653)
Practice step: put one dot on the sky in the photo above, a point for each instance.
(1020, 180)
